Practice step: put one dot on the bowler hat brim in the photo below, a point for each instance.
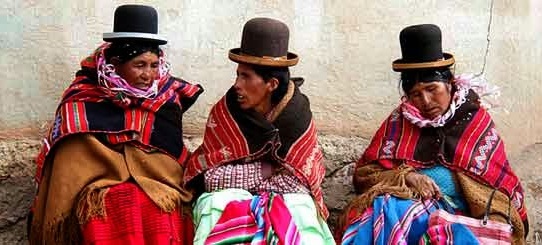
(290, 59)
(150, 37)
(400, 65)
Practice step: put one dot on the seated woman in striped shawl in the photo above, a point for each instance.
(260, 167)
(111, 169)
(438, 148)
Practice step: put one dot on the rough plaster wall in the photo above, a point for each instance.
(346, 48)
(513, 63)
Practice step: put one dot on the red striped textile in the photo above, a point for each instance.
(493, 232)
(229, 131)
(133, 218)
(265, 219)
(83, 103)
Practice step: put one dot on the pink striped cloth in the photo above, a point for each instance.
(264, 219)
(493, 232)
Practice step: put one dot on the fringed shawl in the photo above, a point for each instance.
(151, 124)
(99, 121)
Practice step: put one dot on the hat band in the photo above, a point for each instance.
(236, 55)
(266, 57)
(127, 35)
(448, 60)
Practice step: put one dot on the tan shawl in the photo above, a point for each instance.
(77, 177)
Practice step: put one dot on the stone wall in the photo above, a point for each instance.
(17, 187)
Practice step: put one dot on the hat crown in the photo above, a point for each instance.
(135, 23)
(421, 43)
(136, 18)
(265, 37)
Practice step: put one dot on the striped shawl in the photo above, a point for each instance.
(232, 134)
(151, 124)
(469, 143)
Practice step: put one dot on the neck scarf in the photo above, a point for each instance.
(109, 79)
(464, 83)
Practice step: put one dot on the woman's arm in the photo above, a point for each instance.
(370, 175)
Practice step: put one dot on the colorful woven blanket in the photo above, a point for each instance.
(263, 220)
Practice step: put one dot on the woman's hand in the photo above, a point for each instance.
(423, 184)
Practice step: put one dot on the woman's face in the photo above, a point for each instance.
(431, 98)
(140, 71)
(252, 91)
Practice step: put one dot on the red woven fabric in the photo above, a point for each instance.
(132, 218)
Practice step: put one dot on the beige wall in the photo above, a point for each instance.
(346, 49)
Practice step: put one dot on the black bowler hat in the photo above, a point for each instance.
(135, 22)
(264, 42)
(421, 47)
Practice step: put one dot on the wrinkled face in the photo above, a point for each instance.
(140, 71)
(431, 98)
(252, 91)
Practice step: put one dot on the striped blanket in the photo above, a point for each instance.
(395, 221)
(263, 220)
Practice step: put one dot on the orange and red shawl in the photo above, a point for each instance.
(469, 143)
(88, 107)
(232, 134)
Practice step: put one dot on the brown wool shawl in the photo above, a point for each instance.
(78, 175)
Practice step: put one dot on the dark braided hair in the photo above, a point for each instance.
(410, 78)
(282, 74)
(127, 50)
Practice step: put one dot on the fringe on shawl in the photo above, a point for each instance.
(91, 204)
(66, 229)
(63, 230)
(393, 183)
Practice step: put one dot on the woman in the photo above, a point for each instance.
(111, 169)
(438, 150)
(260, 167)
